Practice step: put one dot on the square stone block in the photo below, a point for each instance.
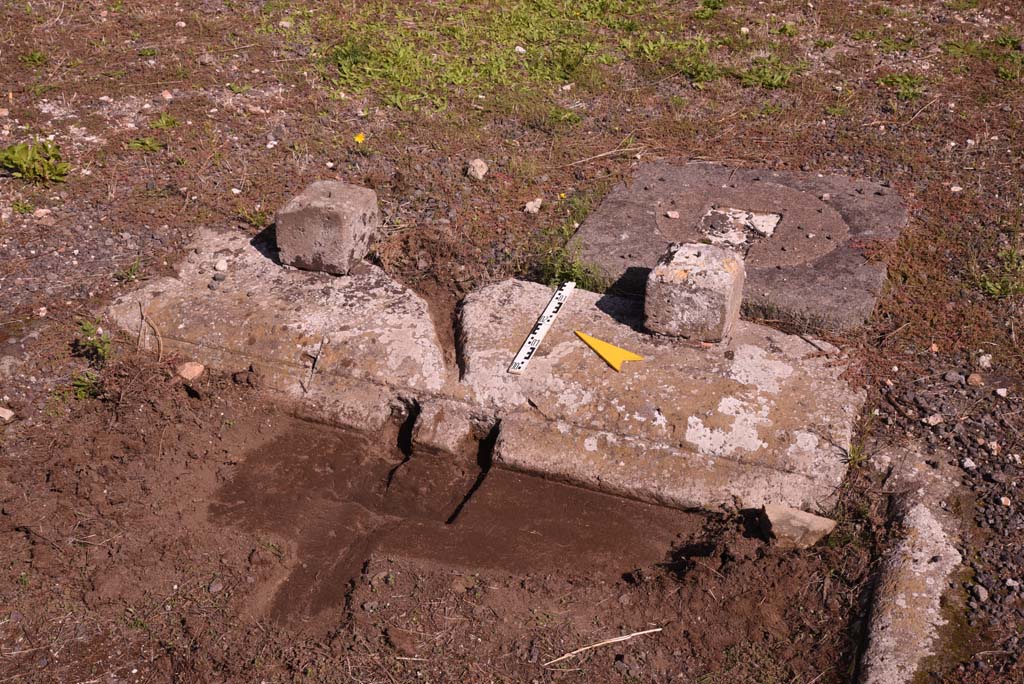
(695, 291)
(328, 227)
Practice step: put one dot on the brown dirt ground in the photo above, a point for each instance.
(139, 530)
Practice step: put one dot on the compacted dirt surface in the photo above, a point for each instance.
(154, 531)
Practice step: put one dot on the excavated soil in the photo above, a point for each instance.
(199, 533)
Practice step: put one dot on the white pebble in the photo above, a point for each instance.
(534, 206)
(221, 265)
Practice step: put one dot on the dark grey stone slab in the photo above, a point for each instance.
(811, 270)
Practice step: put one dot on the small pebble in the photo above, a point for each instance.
(1003, 392)
(220, 277)
(534, 206)
(213, 285)
(968, 464)
(216, 586)
(221, 265)
(476, 169)
(980, 592)
(975, 380)
(190, 370)
(953, 378)
(1012, 583)
(985, 362)
(6, 414)
(1004, 500)
(672, 214)
(933, 420)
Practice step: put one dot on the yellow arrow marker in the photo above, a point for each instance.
(613, 356)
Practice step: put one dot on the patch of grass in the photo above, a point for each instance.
(1013, 69)
(559, 260)
(967, 48)
(239, 88)
(129, 274)
(906, 86)
(824, 43)
(837, 111)
(788, 30)
(255, 217)
(897, 44)
(22, 207)
(34, 58)
(147, 52)
(145, 144)
(769, 73)
(93, 344)
(163, 122)
(856, 455)
(424, 56)
(1006, 278)
(707, 9)
(961, 5)
(35, 162)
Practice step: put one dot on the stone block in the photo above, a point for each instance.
(762, 418)
(328, 227)
(793, 527)
(342, 347)
(449, 427)
(695, 291)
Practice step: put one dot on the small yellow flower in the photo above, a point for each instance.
(561, 195)
(360, 138)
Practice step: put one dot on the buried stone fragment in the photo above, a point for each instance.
(793, 527)
(328, 227)
(695, 291)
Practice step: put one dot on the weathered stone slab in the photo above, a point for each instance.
(803, 235)
(328, 227)
(370, 338)
(793, 527)
(695, 291)
(763, 418)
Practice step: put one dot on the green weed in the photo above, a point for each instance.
(856, 456)
(93, 344)
(239, 88)
(788, 30)
(86, 385)
(1006, 279)
(35, 162)
(897, 44)
(770, 73)
(22, 207)
(255, 217)
(961, 5)
(967, 48)
(163, 122)
(708, 8)
(34, 58)
(559, 260)
(145, 144)
(129, 274)
(906, 86)
(147, 52)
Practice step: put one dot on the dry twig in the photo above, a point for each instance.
(613, 640)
